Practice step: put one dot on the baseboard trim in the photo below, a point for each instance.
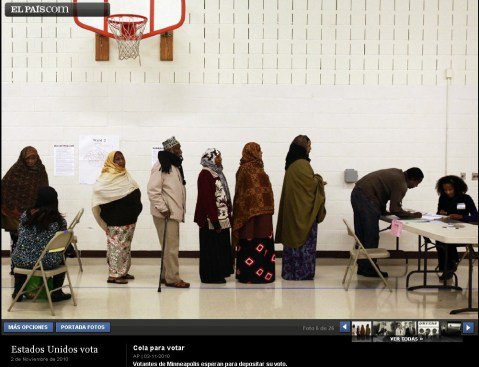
(196, 254)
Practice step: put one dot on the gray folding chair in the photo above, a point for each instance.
(74, 222)
(360, 252)
(58, 243)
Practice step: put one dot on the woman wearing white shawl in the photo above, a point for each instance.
(116, 205)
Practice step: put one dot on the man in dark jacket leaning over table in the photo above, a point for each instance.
(369, 198)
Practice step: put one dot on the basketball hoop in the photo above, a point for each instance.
(128, 30)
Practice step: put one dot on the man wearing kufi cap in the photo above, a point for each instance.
(167, 194)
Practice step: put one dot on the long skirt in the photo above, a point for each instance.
(119, 249)
(255, 260)
(300, 263)
(216, 255)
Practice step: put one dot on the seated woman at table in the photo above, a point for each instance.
(456, 205)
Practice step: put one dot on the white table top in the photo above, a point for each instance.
(456, 232)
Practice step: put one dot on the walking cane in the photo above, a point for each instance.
(163, 254)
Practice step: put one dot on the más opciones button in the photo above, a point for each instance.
(27, 327)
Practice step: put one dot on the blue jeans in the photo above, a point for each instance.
(366, 223)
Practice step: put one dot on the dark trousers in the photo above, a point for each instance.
(20, 279)
(366, 223)
(452, 256)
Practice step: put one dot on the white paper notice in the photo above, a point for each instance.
(154, 154)
(93, 150)
(431, 217)
(63, 160)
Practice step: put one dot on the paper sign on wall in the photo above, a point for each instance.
(93, 150)
(154, 154)
(63, 160)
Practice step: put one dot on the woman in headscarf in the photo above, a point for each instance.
(116, 206)
(37, 227)
(19, 190)
(300, 210)
(253, 219)
(213, 216)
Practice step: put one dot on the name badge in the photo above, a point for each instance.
(461, 206)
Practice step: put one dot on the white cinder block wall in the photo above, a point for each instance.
(365, 80)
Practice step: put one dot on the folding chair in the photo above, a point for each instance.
(58, 243)
(466, 255)
(360, 252)
(74, 222)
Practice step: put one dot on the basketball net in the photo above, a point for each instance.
(127, 30)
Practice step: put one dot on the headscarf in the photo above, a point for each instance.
(302, 203)
(21, 183)
(208, 161)
(46, 210)
(253, 193)
(167, 159)
(46, 196)
(113, 184)
(297, 150)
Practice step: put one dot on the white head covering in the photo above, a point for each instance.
(113, 184)
(208, 160)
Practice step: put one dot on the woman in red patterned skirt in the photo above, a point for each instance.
(253, 210)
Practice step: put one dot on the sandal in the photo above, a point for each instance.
(178, 284)
(128, 276)
(117, 280)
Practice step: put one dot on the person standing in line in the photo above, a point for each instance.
(301, 208)
(368, 330)
(167, 194)
(369, 198)
(457, 206)
(20, 186)
(253, 210)
(116, 205)
(362, 332)
(213, 215)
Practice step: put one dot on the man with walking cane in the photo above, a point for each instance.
(167, 194)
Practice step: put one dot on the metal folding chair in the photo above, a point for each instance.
(74, 222)
(360, 252)
(58, 243)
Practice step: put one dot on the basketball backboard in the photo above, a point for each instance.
(163, 15)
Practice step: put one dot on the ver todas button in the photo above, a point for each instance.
(82, 327)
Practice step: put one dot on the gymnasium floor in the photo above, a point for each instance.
(323, 298)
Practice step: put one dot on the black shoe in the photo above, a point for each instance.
(70, 252)
(371, 273)
(220, 281)
(447, 276)
(20, 299)
(59, 296)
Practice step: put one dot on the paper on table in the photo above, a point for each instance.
(428, 216)
(396, 227)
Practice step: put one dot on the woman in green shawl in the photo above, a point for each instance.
(300, 210)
